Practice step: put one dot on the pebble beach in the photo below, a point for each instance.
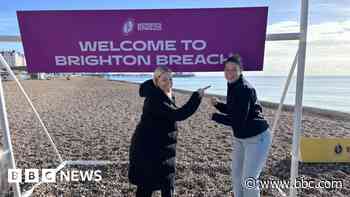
(91, 118)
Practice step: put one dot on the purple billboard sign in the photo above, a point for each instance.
(186, 40)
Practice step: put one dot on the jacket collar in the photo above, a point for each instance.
(163, 96)
(237, 82)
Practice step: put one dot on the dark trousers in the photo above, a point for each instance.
(143, 192)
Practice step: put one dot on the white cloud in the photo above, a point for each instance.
(283, 27)
(327, 51)
(334, 31)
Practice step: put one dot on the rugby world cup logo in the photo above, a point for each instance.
(128, 26)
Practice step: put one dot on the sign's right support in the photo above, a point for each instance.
(298, 109)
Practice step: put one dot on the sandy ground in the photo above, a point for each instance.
(93, 119)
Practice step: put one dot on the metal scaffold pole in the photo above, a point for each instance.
(297, 124)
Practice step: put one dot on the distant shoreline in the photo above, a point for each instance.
(286, 107)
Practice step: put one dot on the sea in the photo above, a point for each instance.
(325, 92)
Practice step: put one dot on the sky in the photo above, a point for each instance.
(328, 36)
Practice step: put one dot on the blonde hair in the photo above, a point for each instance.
(158, 72)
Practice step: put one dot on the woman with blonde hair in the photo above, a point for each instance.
(153, 144)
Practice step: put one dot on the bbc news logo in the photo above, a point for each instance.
(52, 175)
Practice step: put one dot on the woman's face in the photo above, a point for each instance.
(165, 82)
(232, 71)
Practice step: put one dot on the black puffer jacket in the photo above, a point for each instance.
(153, 144)
(242, 110)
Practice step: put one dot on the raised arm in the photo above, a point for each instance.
(222, 107)
(238, 116)
(163, 109)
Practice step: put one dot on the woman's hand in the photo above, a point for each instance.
(214, 101)
(201, 91)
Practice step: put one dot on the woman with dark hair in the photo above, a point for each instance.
(153, 144)
(251, 134)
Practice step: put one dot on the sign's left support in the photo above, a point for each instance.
(8, 158)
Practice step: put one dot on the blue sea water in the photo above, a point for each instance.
(326, 92)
